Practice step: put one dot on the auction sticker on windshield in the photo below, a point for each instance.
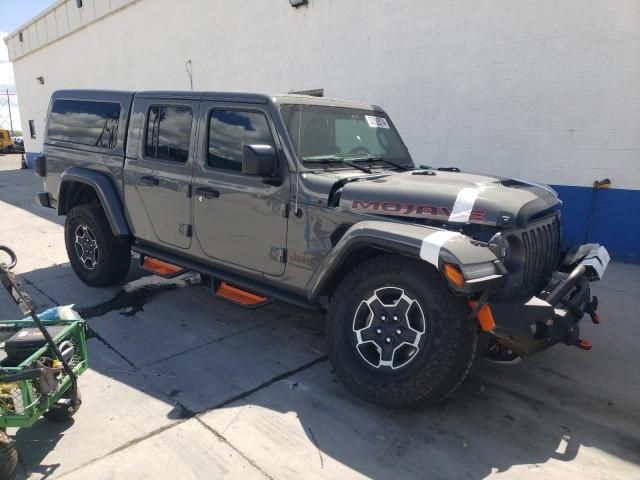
(376, 122)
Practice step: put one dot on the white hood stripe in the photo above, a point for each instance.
(431, 245)
(465, 200)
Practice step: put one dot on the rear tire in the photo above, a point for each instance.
(8, 456)
(397, 335)
(97, 256)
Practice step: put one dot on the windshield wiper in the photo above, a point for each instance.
(399, 166)
(375, 158)
(355, 165)
(329, 159)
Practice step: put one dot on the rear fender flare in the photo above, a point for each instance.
(429, 244)
(105, 190)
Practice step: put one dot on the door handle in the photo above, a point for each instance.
(207, 192)
(152, 181)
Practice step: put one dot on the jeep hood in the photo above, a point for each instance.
(452, 197)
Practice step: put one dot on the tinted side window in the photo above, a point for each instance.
(229, 131)
(84, 122)
(169, 133)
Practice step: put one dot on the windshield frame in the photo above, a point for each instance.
(310, 166)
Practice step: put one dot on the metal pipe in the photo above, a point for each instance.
(9, 105)
(33, 374)
(561, 290)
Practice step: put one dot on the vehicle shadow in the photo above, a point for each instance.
(263, 375)
(13, 184)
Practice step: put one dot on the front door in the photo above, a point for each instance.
(163, 172)
(239, 219)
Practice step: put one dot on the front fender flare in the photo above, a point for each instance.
(429, 244)
(104, 188)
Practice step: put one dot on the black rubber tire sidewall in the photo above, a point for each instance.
(8, 456)
(115, 253)
(447, 350)
(59, 413)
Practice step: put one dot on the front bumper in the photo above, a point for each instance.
(552, 316)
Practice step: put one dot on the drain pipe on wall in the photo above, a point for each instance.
(189, 68)
(597, 185)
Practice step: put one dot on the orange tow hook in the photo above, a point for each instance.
(584, 344)
(591, 310)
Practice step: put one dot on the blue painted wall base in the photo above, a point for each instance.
(615, 220)
(29, 157)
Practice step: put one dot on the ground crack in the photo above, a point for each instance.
(223, 439)
(245, 394)
(269, 383)
(91, 333)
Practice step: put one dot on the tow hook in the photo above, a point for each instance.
(591, 310)
(574, 339)
(584, 344)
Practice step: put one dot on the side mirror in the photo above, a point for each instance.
(258, 160)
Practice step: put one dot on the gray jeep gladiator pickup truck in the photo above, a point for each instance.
(317, 202)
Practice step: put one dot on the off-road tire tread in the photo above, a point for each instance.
(451, 352)
(8, 456)
(115, 252)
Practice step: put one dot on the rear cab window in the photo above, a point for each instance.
(168, 133)
(85, 122)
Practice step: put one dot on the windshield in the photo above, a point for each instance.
(333, 135)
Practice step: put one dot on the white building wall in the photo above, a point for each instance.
(547, 90)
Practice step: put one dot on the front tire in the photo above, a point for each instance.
(97, 256)
(397, 335)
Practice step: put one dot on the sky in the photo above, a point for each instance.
(13, 14)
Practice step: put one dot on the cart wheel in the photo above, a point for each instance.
(8, 456)
(64, 409)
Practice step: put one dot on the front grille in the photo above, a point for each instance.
(541, 243)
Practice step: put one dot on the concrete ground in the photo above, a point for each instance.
(184, 385)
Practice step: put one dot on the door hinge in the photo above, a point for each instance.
(278, 254)
(186, 189)
(285, 210)
(185, 229)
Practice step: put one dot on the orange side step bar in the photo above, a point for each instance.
(162, 268)
(240, 296)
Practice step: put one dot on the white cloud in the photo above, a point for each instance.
(7, 81)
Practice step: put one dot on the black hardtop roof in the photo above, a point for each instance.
(105, 95)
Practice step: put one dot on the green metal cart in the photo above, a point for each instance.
(44, 383)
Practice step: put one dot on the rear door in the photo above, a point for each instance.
(239, 219)
(163, 170)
